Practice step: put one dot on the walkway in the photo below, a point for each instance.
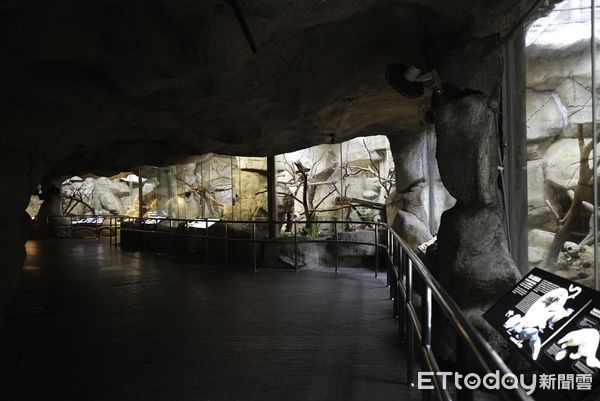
(90, 322)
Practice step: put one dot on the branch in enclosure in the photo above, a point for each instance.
(565, 225)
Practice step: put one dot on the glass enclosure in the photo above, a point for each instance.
(204, 187)
(349, 181)
(345, 181)
(560, 109)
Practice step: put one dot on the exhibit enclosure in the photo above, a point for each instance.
(561, 116)
(346, 181)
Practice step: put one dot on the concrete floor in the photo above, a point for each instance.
(90, 322)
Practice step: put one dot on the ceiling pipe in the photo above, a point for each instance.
(244, 25)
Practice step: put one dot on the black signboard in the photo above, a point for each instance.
(555, 323)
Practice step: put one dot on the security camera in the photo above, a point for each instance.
(409, 80)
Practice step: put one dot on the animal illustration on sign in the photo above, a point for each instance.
(544, 313)
(587, 341)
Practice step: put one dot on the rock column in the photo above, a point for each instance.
(406, 207)
(19, 173)
(474, 265)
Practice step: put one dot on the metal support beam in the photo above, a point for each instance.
(514, 133)
(272, 196)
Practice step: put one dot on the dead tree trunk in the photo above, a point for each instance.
(565, 225)
(307, 209)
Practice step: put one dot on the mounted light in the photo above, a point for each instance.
(408, 80)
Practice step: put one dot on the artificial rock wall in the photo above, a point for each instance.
(361, 168)
(415, 206)
(101, 86)
(474, 263)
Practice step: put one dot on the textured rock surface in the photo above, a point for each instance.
(475, 238)
(35, 203)
(536, 187)
(21, 173)
(474, 263)
(539, 243)
(475, 268)
(410, 160)
(410, 228)
(577, 264)
(50, 214)
(281, 255)
(356, 167)
(352, 250)
(561, 164)
(546, 115)
(419, 188)
(106, 200)
(103, 85)
(547, 67)
(467, 150)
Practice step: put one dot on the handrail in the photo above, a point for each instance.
(487, 358)
(97, 225)
(253, 240)
(402, 263)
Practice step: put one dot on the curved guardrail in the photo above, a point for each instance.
(403, 263)
(96, 224)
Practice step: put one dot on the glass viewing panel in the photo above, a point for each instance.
(560, 172)
(349, 181)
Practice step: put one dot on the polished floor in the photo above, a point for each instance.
(90, 322)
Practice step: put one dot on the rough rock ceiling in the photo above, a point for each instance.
(106, 84)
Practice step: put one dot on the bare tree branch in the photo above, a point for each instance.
(565, 225)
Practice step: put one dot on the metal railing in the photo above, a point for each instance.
(169, 228)
(97, 224)
(403, 263)
(403, 266)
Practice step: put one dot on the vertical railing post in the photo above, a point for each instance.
(388, 253)
(110, 239)
(464, 364)
(157, 236)
(336, 249)
(226, 248)
(392, 279)
(395, 294)
(187, 240)
(134, 233)
(172, 250)
(394, 287)
(402, 312)
(426, 321)
(142, 235)
(140, 195)
(376, 250)
(254, 245)
(118, 236)
(206, 247)
(295, 248)
(410, 343)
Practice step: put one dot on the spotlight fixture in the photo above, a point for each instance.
(408, 80)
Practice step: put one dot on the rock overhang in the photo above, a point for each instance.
(104, 85)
